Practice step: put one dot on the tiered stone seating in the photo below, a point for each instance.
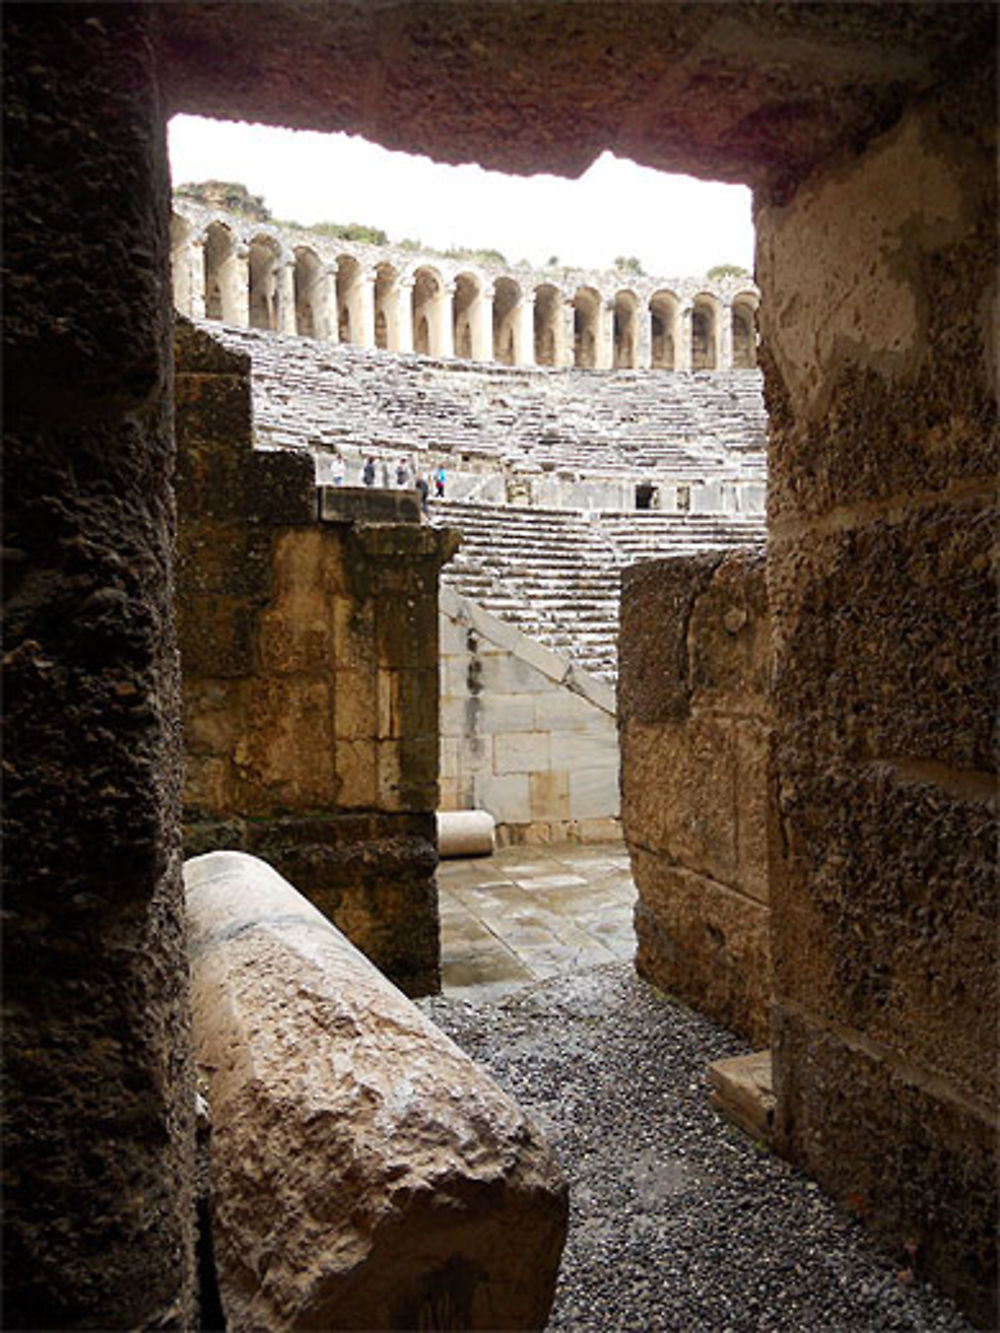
(555, 574)
(688, 427)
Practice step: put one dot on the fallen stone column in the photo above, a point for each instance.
(364, 1172)
(465, 833)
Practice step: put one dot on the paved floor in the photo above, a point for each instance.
(531, 913)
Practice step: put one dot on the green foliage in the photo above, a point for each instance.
(483, 256)
(720, 271)
(552, 261)
(629, 264)
(351, 231)
(409, 244)
(231, 195)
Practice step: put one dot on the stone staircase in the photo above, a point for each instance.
(555, 574)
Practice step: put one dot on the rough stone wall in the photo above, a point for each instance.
(98, 1090)
(880, 380)
(309, 659)
(524, 735)
(693, 723)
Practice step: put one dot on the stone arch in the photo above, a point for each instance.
(265, 254)
(310, 291)
(221, 273)
(506, 303)
(180, 263)
(744, 316)
(664, 311)
(586, 327)
(350, 294)
(705, 332)
(548, 308)
(465, 314)
(386, 293)
(428, 291)
(626, 330)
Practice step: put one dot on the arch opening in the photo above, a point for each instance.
(663, 313)
(586, 327)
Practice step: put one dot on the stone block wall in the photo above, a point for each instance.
(98, 1081)
(523, 735)
(693, 722)
(880, 378)
(309, 663)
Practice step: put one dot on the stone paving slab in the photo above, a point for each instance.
(530, 914)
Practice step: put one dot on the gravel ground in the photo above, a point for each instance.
(677, 1221)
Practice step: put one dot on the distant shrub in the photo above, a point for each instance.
(629, 264)
(721, 271)
(351, 231)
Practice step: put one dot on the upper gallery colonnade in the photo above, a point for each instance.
(257, 275)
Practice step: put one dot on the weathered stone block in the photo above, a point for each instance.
(550, 795)
(364, 1172)
(679, 793)
(506, 797)
(886, 914)
(593, 792)
(372, 874)
(217, 636)
(741, 1090)
(703, 942)
(728, 636)
(284, 758)
(658, 598)
(907, 667)
(521, 752)
(906, 1154)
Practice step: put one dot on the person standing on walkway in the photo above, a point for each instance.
(368, 476)
(424, 490)
(439, 483)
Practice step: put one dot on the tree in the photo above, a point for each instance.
(721, 271)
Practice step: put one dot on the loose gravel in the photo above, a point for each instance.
(677, 1221)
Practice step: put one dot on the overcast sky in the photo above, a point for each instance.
(675, 225)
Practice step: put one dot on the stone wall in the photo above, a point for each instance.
(882, 578)
(693, 721)
(98, 1194)
(309, 660)
(524, 734)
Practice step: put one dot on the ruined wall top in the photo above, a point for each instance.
(247, 222)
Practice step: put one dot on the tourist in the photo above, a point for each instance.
(424, 490)
(402, 474)
(368, 476)
(338, 468)
(439, 483)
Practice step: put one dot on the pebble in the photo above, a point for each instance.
(677, 1220)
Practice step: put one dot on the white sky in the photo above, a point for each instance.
(675, 225)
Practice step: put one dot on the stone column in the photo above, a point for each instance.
(724, 339)
(567, 332)
(643, 337)
(481, 321)
(99, 1204)
(196, 277)
(284, 293)
(682, 344)
(363, 300)
(524, 331)
(443, 342)
(326, 306)
(605, 335)
(234, 280)
(404, 315)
